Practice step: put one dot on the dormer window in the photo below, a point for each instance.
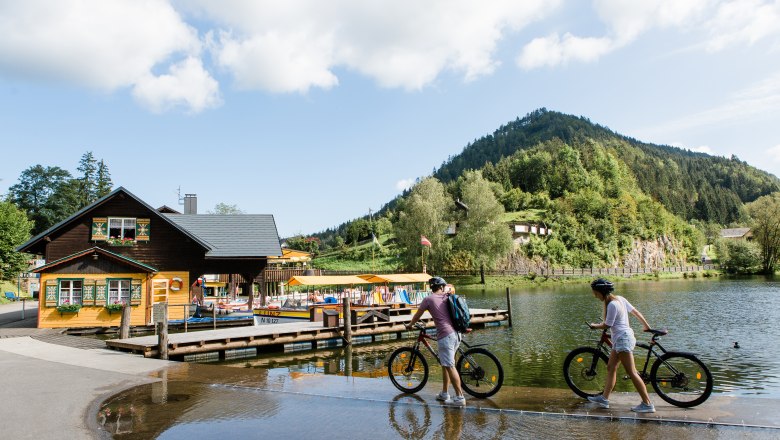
(121, 228)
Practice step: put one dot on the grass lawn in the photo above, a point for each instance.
(9, 286)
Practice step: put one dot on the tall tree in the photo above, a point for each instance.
(32, 194)
(481, 233)
(104, 183)
(427, 211)
(88, 168)
(14, 230)
(765, 213)
(225, 209)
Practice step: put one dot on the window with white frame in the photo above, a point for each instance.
(121, 228)
(70, 292)
(119, 291)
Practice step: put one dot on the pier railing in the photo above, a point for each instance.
(561, 271)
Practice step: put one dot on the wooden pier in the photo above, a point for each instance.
(303, 334)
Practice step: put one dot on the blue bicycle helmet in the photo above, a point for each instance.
(603, 286)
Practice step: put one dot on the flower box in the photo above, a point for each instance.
(115, 308)
(68, 308)
(120, 242)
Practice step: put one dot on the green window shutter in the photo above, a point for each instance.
(52, 293)
(135, 293)
(99, 229)
(142, 231)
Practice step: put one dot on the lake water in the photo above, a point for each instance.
(703, 316)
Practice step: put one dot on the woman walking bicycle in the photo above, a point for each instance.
(616, 311)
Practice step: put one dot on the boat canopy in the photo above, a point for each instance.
(326, 280)
(397, 278)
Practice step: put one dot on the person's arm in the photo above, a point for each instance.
(599, 326)
(641, 319)
(415, 318)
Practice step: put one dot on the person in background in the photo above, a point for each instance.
(616, 311)
(447, 339)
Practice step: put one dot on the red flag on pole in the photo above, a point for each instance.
(424, 241)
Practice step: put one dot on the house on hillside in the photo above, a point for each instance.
(522, 231)
(121, 250)
(737, 234)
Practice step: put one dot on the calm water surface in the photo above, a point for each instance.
(704, 317)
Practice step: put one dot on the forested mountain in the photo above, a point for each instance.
(691, 185)
(521, 157)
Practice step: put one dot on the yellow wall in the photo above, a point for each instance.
(98, 315)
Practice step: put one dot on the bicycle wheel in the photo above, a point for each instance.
(481, 374)
(585, 371)
(408, 370)
(681, 379)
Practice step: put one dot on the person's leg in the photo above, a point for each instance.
(446, 380)
(452, 372)
(627, 359)
(611, 378)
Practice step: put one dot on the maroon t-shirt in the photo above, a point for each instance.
(436, 305)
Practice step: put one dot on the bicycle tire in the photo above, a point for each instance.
(408, 370)
(580, 374)
(481, 373)
(681, 379)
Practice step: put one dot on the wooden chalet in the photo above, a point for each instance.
(121, 250)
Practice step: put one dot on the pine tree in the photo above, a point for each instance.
(104, 183)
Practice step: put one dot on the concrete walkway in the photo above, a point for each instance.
(52, 391)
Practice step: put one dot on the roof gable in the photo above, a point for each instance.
(103, 200)
(99, 252)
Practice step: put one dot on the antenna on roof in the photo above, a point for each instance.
(178, 194)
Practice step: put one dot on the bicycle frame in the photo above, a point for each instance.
(423, 337)
(606, 341)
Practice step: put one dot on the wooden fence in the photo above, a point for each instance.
(562, 272)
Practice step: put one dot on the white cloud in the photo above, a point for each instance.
(720, 23)
(743, 22)
(404, 184)
(761, 100)
(102, 44)
(188, 85)
(299, 44)
(774, 153)
(702, 149)
(553, 50)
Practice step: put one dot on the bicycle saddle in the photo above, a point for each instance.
(660, 332)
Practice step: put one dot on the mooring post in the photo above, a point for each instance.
(509, 305)
(214, 314)
(163, 334)
(124, 326)
(186, 316)
(347, 322)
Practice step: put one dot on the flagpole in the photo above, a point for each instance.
(373, 238)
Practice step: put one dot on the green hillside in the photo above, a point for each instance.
(602, 193)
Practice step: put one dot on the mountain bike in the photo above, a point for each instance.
(480, 372)
(679, 378)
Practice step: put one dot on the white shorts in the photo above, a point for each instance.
(448, 345)
(624, 343)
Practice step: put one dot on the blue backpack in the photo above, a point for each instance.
(459, 312)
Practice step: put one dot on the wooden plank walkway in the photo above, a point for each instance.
(236, 338)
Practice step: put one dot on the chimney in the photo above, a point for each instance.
(190, 203)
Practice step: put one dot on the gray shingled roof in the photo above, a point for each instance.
(734, 232)
(240, 235)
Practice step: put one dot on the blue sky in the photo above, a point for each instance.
(318, 111)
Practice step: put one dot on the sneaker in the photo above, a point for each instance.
(600, 400)
(443, 396)
(644, 408)
(457, 401)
